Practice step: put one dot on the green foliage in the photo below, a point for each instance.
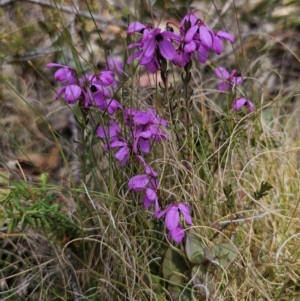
(32, 206)
(265, 187)
(204, 265)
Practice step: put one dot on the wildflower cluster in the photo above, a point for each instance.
(142, 128)
(193, 39)
(228, 80)
(95, 89)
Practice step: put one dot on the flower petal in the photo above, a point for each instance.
(176, 234)
(221, 73)
(225, 36)
(138, 182)
(237, 80)
(185, 209)
(151, 194)
(62, 74)
(205, 36)
(122, 155)
(134, 56)
(202, 54)
(241, 102)
(167, 49)
(163, 212)
(190, 33)
(172, 218)
(224, 86)
(153, 65)
(72, 93)
(217, 45)
(135, 27)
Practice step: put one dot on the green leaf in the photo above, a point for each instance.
(3, 216)
(264, 189)
(194, 248)
(179, 292)
(224, 253)
(12, 224)
(173, 263)
(44, 178)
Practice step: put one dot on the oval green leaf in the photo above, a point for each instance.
(179, 292)
(224, 253)
(173, 263)
(194, 248)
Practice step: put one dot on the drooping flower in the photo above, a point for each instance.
(228, 78)
(147, 182)
(146, 127)
(198, 38)
(172, 220)
(111, 131)
(112, 134)
(177, 234)
(64, 73)
(172, 213)
(99, 91)
(115, 65)
(72, 91)
(218, 37)
(240, 103)
(154, 40)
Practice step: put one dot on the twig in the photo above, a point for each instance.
(68, 10)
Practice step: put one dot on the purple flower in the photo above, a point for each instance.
(136, 27)
(115, 65)
(146, 127)
(182, 58)
(113, 134)
(122, 155)
(111, 105)
(111, 131)
(218, 37)
(99, 91)
(243, 102)
(72, 91)
(153, 40)
(64, 73)
(147, 182)
(187, 22)
(172, 213)
(199, 39)
(228, 78)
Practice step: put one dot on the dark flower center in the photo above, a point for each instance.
(93, 88)
(159, 38)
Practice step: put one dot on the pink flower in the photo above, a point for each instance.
(146, 127)
(172, 220)
(228, 78)
(116, 141)
(153, 40)
(64, 73)
(177, 234)
(239, 103)
(172, 213)
(147, 182)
